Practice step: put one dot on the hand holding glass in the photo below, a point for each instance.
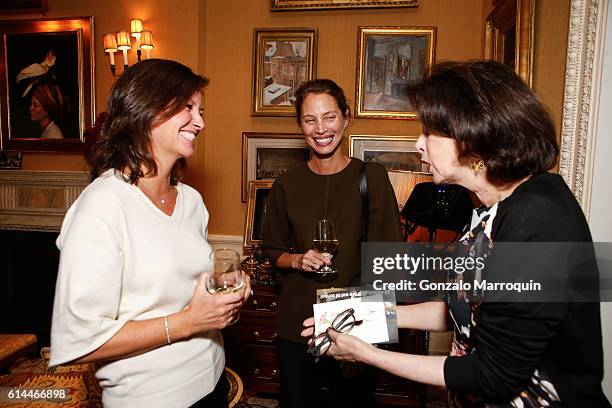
(226, 276)
(325, 242)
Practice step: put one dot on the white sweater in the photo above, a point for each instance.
(123, 259)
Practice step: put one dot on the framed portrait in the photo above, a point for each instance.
(46, 83)
(283, 59)
(266, 156)
(395, 153)
(256, 209)
(294, 5)
(390, 58)
(509, 36)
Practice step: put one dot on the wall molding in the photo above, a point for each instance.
(38, 200)
(226, 241)
(581, 96)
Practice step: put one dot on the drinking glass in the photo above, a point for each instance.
(325, 242)
(226, 276)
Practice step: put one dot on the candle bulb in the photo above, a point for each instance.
(123, 42)
(136, 29)
(110, 46)
(146, 42)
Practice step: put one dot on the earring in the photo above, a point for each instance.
(477, 166)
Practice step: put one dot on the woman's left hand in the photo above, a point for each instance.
(345, 347)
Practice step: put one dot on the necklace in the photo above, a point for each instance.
(162, 201)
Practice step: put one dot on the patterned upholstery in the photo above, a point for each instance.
(13, 346)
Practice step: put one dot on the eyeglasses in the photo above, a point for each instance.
(343, 323)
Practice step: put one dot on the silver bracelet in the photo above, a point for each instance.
(167, 331)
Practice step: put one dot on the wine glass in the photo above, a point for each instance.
(325, 242)
(226, 276)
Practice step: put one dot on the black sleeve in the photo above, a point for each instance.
(276, 231)
(384, 221)
(510, 339)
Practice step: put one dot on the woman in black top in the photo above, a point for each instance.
(484, 129)
(327, 186)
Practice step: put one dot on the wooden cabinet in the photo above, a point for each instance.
(251, 351)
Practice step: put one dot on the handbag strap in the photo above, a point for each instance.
(365, 207)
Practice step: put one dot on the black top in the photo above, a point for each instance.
(297, 199)
(510, 341)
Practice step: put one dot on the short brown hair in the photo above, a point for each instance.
(148, 93)
(491, 113)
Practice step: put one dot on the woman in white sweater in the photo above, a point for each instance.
(130, 292)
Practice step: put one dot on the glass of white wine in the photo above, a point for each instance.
(226, 276)
(325, 242)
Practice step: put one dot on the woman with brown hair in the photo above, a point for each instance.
(48, 108)
(326, 187)
(485, 130)
(130, 292)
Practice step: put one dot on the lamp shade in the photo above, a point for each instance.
(110, 43)
(146, 40)
(123, 40)
(136, 27)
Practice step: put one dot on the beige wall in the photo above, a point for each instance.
(228, 55)
(215, 38)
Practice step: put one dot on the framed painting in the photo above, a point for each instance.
(294, 5)
(395, 153)
(46, 83)
(266, 156)
(283, 59)
(390, 58)
(509, 36)
(256, 209)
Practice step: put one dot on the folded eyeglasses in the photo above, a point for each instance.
(342, 323)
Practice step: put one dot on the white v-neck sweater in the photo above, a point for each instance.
(123, 259)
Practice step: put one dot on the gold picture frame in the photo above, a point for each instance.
(283, 59)
(54, 57)
(509, 36)
(267, 155)
(296, 5)
(388, 59)
(395, 153)
(257, 195)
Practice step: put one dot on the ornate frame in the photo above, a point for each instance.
(296, 5)
(581, 96)
(252, 207)
(261, 36)
(391, 144)
(85, 105)
(251, 141)
(361, 111)
(519, 16)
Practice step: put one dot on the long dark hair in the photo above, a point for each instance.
(148, 93)
(491, 113)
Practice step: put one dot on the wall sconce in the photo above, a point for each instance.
(121, 42)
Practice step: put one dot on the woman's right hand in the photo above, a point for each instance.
(208, 312)
(310, 261)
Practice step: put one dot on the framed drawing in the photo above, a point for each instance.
(283, 59)
(509, 36)
(46, 83)
(256, 209)
(389, 58)
(266, 156)
(396, 153)
(293, 5)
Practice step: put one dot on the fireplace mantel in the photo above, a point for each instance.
(38, 200)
